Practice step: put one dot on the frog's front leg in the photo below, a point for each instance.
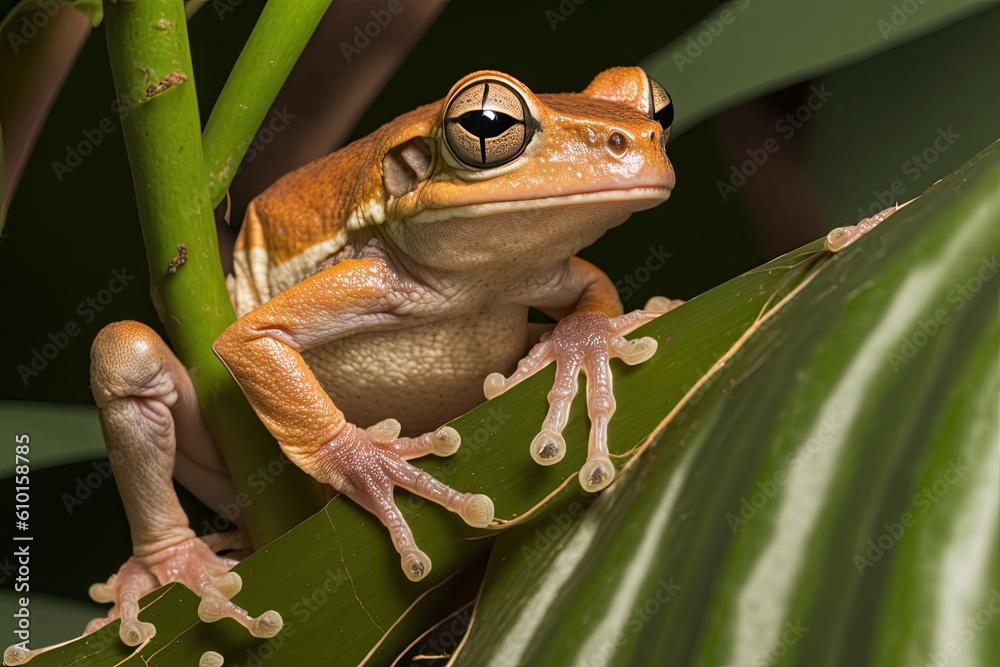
(263, 352)
(589, 334)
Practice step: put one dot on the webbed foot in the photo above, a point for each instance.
(367, 464)
(192, 563)
(584, 341)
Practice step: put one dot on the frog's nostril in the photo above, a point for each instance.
(652, 136)
(617, 143)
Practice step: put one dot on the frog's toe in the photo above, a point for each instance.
(368, 469)
(229, 584)
(841, 237)
(191, 562)
(548, 447)
(211, 659)
(415, 563)
(478, 511)
(214, 606)
(131, 582)
(134, 632)
(101, 593)
(494, 385)
(446, 441)
(234, 540)
(635, 351)
(662, 304)
(267, 625)
(443, 442)
(588, 341)
(385, 431)
(195, 565)
(540, 356)
(475, 509)
(16, 655)
(597, 473)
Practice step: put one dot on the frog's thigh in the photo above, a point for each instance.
(130, 362)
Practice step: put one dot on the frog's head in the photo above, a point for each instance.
(495, 173)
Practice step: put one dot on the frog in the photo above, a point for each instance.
(380, 292)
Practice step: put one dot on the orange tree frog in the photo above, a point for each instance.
(376, 288)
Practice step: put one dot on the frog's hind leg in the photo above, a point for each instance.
(146, 402)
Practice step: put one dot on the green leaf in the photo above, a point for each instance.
(719, 61)
(71, 433)
(828, 497)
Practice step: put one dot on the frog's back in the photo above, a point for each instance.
(307, 217)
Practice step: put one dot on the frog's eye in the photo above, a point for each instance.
(485, 126)
(661, 109)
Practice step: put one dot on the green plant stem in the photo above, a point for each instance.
(147, 41)
(277, 41)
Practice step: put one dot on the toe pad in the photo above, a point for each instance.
(548, 448)
(596, 474)
(478, 511)
(267, 625)
(416, 564)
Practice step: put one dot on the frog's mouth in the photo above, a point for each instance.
(633, 199)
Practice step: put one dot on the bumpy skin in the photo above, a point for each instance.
(423, 288)
(146, 403)
(376, 288)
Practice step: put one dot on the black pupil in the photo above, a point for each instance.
(665, 116)
(484, 123)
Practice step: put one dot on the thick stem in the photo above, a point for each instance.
(151, 63)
